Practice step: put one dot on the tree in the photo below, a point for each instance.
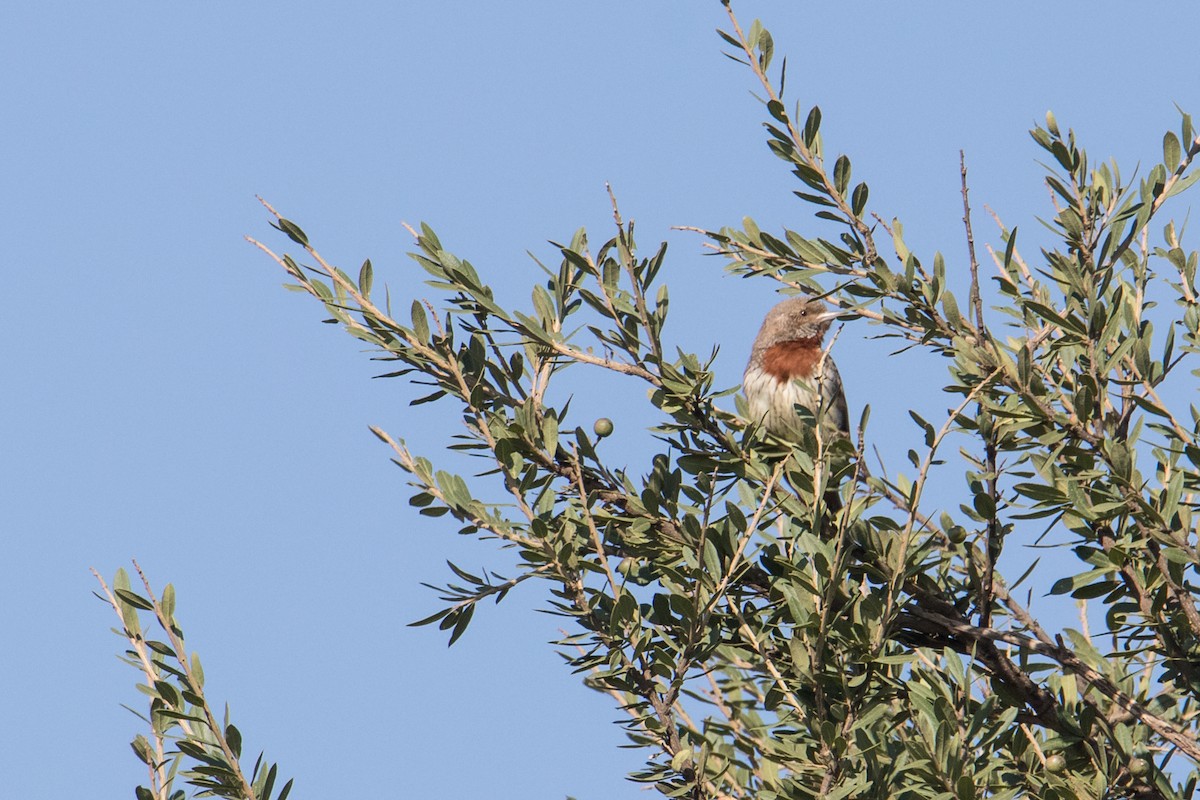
(763, 641)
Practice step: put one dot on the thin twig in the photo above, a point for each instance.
(406, 460)
(918, 489)
(752, 640)
(975, 299)
(585, 510)
(159, 777)
(991, 550)
(196, 687)
(797, 141)
(743, 540)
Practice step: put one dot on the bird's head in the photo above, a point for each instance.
(795, 319)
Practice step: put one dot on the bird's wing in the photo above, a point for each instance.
(833, 397)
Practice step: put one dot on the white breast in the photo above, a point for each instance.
(772, 403)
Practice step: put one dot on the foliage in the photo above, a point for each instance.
(762, 641)
(185, 738)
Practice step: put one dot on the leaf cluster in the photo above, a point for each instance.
(776, 620)
(184, 739)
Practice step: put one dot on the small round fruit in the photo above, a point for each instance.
(1139, 767)
(1056, 764)
(603, 427)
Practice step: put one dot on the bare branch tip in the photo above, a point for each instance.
(437, 322)
(268, 206)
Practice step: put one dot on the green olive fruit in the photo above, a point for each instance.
(603, 427)
(1056, 764)
(1139, 767)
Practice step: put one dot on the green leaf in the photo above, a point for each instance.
(812, 126)
(133, 599)
(766, 49)
(366, 276)
(950, 307)
(293, 231)
(1041, 492)
(858, 201)
(161, 648)
(168, 602)
(729, 39)
(544, 305)
(198, 751)
(141, 746)
(841, 174)
(430, 619)
(420, 322)
(269, 782)
(550, 434)
(233, 737)
(168, 693)
(1085, 583)
(1172, 152)
(1184, 183)
(197, 671)
(898, 241)
(461, 620)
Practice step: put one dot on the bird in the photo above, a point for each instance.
(789, 368)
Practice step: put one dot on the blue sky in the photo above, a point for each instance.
(166, 400)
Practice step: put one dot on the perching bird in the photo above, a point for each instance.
(788, 368)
